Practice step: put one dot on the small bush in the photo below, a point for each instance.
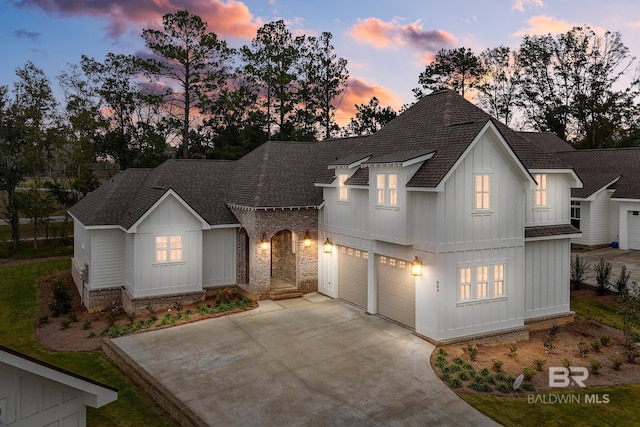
(622, 281)
(566, 363)
(578, 269)
(458, 361)
(485, 372)
(91, 334)
(455, 383)
(616, 364)
(496, 365)
(473, 351)
(480, 387)
(464, 376)
(513, 350)
(554, 331)
(528, 373)
(527, 387)
(605, 340)
(632, 355)
(501, 376)
(595, 366)
(596, 345)
(539, 364)
(603, 276)
(583, 351)
(442, 352)
(111, 318)
(503, 388)
(446, 377)
(61, 298)
(177, 305)
(441, 362)
(548, 343)
(86, 324)
(468, 367)
(64, 324)
(73, 317)
(131, 315)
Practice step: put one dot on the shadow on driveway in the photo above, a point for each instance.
(305, 361)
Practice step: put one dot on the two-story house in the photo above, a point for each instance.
(477, 211)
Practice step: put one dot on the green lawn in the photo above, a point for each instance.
(19, 302)
(621, 409)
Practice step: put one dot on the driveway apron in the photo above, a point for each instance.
(306, 361)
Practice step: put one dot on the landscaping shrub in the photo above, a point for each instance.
(473, 351)
(566, 363)
(596, 345)
(61, 298)
(528, 373)
(583, 351)
(595, 366)
(496, 365)
(622, 281)
(503, 388)
(455, 383)
(616, 364)
(578, 269)
(513, 350)
(604, 340)
(539, 363)
(603, 276)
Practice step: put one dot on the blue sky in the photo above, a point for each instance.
(386, 43)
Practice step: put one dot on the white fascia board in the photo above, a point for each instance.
(324, 185)
(169, 192)
(97, 227)
(95, 395)
(577, 182)
(489, 126)
(418, 159)
(350, 165)
(225, 226)
(438, 189)
(621, 199)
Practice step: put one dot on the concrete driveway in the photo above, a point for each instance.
(617, 258)
(305, 361)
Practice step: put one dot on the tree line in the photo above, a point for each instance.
(193, 96)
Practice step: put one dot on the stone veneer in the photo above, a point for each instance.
(268, 222)
(141, 305)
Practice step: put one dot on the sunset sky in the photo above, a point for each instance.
(386, 43)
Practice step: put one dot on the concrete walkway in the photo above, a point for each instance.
(299, 362)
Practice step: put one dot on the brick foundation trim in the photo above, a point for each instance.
(141, 305)
(102, 299)
(520, 333)
(546, 322)
(167, 400)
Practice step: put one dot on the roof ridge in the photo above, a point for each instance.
(260, 185)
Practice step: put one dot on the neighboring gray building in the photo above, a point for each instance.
(485, 209)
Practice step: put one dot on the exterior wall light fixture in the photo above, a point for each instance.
(264, 243)
(416, 267)
(328, 246)
(307, 239)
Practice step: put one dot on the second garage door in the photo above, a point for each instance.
(396, 290)
(352, 276)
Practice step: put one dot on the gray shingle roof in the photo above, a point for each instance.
(597, 168)
(550, 230)
(122, 200)
(549, 142)
(443, 123)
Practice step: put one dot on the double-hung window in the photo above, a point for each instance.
(482, 192)
(541, 189)
(168, 248)
(387, 189)
(575, 213)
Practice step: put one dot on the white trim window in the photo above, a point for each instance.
(482, 192)
(575, 213)
(387, 189)
(464, 284)
(481, 282)
(169, 248)
(541, 189)
(343, 191)
(498, 280)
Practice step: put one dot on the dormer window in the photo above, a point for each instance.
(387, 189)
(343, 191)
(541, 190)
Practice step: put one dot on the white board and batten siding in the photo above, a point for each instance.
(169, 218)
(350, 215)
(557, 210)
(597, 223)
(108, 255)
(219, 257)
(547, 278)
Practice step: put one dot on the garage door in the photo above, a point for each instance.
(396, 290)
(352, 276)
(633, 225)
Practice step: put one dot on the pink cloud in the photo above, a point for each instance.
(521, 4)
(231, 18)
(542, 24)
(383, 34)
(360, 92)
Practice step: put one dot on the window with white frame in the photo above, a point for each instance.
(482, 192)
(465, 284)
(498, 280)
(387, 189)
(575, 213)
(343, 191)
(168, 248)
(541, 189)
(481, 282)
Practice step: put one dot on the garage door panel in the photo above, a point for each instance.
(352, 277)
(396, 290)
